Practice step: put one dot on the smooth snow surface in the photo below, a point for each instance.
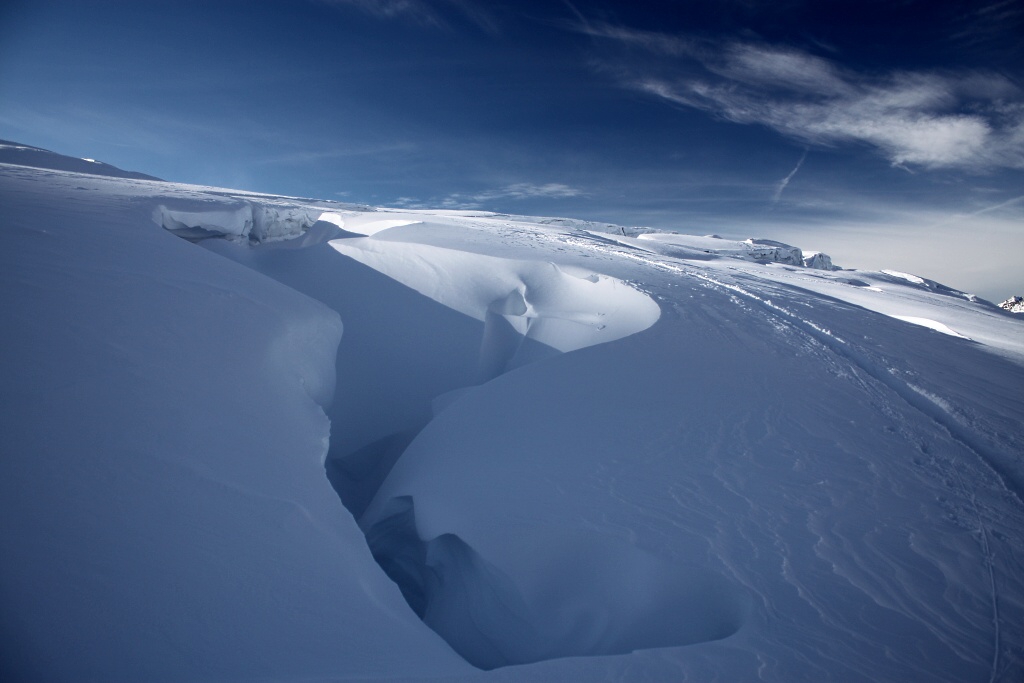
(930, 324)
(315, 441)
(565, 308)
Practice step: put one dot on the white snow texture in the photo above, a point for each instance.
(318, 441)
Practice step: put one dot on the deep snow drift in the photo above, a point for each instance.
(255, 437)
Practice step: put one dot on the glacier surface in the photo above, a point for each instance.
(319, 441)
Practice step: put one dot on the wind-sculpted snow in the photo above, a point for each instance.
(577, 454)
(813, 487)
(564, 307)
(591, 595)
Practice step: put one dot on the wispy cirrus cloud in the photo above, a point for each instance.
(423, 12)
(314, 156)
(479, 200)
(515, 191)
(529, 191)
(924, 119)
(990, 19)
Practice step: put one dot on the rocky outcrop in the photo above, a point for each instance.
(1015, 304)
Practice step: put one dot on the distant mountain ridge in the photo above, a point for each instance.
(37, 157)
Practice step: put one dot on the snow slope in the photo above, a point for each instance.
(394, 445)
(36, 157)
(163, 509)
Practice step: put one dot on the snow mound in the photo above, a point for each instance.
(373, 223)
(913, 279)
(247, 222)
(924, 284)
(1015, 304)
(563, 307)
(930, 324)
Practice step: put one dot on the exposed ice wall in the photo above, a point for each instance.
(776, 252)
(753, 249)
(818, 260)
(250, 221)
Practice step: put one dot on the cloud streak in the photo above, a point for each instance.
(785, 181)
(514, 192)
(925, 119)
(423, 12)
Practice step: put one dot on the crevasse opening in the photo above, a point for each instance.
(450, 320)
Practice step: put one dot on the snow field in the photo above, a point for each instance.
(735, 470)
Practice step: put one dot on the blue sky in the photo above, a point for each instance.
(890, 134)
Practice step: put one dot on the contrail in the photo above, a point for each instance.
(987, 209)
(785, 181)
(998, 206)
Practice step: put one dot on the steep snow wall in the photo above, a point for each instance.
(163, 508)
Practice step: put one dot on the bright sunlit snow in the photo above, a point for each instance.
(252, 437)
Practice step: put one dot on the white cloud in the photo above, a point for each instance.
(529, 190)
(424, 12)
(788, 69)
(333, 154)
(648, 40)
(515, 191)
(785, 181)
(415, 10)
(932, 120)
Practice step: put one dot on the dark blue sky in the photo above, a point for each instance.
(858, 126)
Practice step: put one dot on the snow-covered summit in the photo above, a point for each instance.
(1015, 304)
(255, 437)
(36, 157)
